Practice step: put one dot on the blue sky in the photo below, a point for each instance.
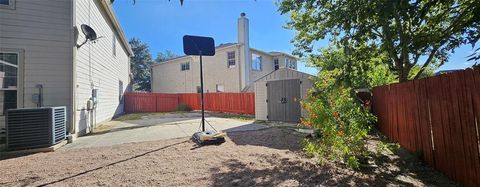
(162, 24)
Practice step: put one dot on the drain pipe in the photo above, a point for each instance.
(73, 111)
(73, 107)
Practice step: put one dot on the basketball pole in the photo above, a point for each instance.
(201, 92)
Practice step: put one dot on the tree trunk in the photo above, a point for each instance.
(402, 70)
(402, 74)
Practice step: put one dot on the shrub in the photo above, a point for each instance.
(341, 123)
(183, 107)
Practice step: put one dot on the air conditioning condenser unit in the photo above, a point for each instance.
(29, 128)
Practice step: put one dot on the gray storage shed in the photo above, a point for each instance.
(278, 95)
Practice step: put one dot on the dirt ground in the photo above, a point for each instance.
(269, 157)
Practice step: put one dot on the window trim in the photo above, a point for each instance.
(121, 92)
(276, 64)
(114, 45)
(186, 64)
(20, 74)
(289, 63)
(234, 59)
(11, 5)
(260, 64)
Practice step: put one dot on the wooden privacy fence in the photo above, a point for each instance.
(437, 117)
(240, 103)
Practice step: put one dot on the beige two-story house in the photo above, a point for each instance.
(234, 68)
(42, 64)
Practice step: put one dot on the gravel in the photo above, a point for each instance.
(269, 157)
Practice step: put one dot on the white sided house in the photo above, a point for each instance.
(41, 66)
(234, 67)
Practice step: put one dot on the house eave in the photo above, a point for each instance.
(111, 15)
(170, 60)
(274, 55)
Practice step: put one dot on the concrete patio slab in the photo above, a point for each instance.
(160, 127)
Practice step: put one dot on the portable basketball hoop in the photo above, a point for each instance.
(202, 46)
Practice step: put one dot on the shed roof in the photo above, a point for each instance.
(284, 73)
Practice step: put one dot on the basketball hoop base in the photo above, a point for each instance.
(208, 138)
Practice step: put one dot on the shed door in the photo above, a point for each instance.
(284, 100)
(292, 100)
(275, 94)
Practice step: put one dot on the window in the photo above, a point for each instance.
(290, 63)
(231, 59)
(276, 64)
(256, 62)
(114, 45)
(199, 89)
(8, 4)
(185, 66)
(8, 81)
(220, 88)
(120, 91)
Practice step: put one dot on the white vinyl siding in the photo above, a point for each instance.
(42, 33)
(97, 67)
(167, 77)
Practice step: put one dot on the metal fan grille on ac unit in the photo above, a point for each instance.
(35, 127)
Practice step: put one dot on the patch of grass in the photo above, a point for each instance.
(134, 116)
(233, 116)
(183, 108)
(387, 147)
(262, 122)
(105, 127)
(279, 124)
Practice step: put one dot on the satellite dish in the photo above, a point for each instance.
(90, 34)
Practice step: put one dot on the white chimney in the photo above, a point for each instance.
(243, 40)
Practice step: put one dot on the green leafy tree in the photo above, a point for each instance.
(411, 33)
(164, 56)
(140, 65)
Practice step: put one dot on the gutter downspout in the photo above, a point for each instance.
(74, 72)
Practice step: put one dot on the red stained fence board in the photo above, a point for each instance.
(239, 103)
(439, 118)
